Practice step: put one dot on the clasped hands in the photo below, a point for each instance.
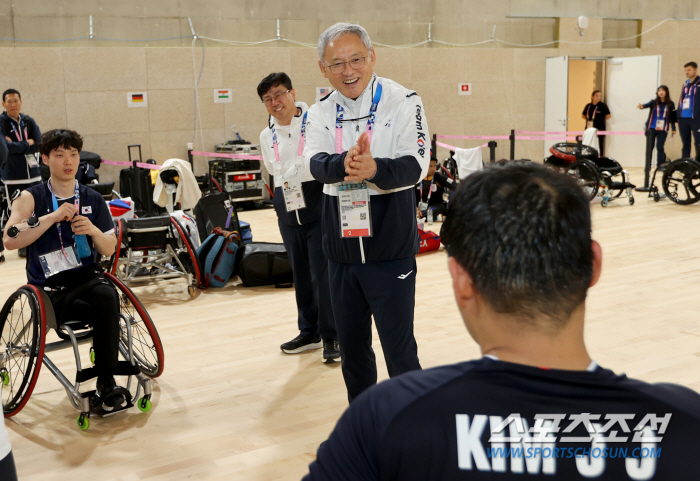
(359, 163)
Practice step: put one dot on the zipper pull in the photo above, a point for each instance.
(357, 128)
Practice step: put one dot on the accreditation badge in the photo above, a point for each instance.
(660, 124)
(293, 194)
(589, 124)
(686, 103)
(353, 204)
(56, 261)
(31, 160)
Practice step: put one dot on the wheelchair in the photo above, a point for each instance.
(154, 248)
(25, 320)
(598, 176)
(680, 181)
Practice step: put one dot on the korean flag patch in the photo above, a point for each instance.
(87, 209)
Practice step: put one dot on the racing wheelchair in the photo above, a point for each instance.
(599, 176)
(25, 320)
(680, 181)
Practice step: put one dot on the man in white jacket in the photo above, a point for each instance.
(368, 142)
(297, 201)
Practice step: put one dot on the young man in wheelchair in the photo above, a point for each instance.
(64, 225)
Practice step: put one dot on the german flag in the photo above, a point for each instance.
(137, 97)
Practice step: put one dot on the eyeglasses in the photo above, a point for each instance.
(270, 100)
(355, 64)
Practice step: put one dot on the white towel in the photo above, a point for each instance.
(590, 138)
(188, 192)
(468, 161)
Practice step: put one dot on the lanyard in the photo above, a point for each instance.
(300, 150)
(370, 121)
(430, 189)
(18, 130)
(592, 117)
(54, 202)
(692, 87)
(659, 113)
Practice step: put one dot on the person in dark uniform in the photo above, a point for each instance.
(3, 158)
(430, 192)
(688, 113)
(662, 115)
(298, 202)
(595, 114)
(64, 225)
(521, 259)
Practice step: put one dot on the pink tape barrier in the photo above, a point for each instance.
(472, 137)
(572, 133)
(130, 164)
(228, 156)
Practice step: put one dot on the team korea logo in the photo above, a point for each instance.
(421, 134)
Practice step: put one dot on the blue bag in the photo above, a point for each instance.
(217, 256)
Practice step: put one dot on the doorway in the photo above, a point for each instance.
(585, 76)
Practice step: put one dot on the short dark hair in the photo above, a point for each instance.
(273, 80)
(53, 139)
(691, 64)
(10, 92)
(523, 233)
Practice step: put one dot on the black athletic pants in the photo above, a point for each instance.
(689, 130)
(386, 290)
(8, 472)
(99, 307)
(310, 271)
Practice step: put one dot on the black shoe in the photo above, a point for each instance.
(22, 252)
(2, 257)
(109, 396)
(331, 351)
(300, 344)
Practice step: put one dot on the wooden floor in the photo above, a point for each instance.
(231, 406)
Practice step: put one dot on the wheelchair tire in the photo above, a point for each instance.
(568, 151)
(29, 319)
(147, 348)
(586, 174)
(196, 268)
(119, 229)
(686, 173)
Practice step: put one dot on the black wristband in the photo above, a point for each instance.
(33, 221)
(12, 231)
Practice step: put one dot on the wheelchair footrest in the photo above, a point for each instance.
(124, 368)
(99, 409)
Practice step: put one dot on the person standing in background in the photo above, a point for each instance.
(661, 115)
(21, 170)
(595, 114)
(298, 203)
(689, 110)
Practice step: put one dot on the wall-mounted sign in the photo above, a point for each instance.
(136, 99)
(464, 89)
(223, 96)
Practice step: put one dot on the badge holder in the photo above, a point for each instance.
(293, 192)
(660, 124)
(55, 262)
(589, 124)
(686, 103)
(353, 206)
(32, 160)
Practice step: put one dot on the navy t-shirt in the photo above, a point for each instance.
(477, 421)
(92, 206)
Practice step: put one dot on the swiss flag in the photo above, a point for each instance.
(465, 88)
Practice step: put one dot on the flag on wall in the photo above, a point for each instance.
(223, 96)
(136, 99)
(322, 92)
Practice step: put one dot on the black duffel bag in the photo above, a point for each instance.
(264, 264)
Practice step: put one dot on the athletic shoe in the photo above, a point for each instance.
(106, 396)
(301, 344)
(22, 252)
(331, 351)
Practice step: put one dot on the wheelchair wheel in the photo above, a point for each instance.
(568, 151)
(119, 228)
(147, 348)
(23, 319)
(187, 253)
(681, 181)
(587, 176)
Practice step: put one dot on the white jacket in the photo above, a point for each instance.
(288, 137)
(400, 128)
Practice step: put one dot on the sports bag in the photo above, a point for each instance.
(429, 241)
(264, 264)
(217, 256)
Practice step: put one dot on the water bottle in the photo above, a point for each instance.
(430, 215)
(82, 245)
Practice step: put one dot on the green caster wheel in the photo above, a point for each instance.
(92, 355)
(5, 377)
(144, 404)
(83, 422)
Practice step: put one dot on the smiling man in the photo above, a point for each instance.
(297, 202)
(368, 142)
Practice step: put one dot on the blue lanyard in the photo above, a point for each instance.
(370, 122)
(54, 203)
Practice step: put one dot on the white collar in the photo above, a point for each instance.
(591, 367)
(302, 108)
